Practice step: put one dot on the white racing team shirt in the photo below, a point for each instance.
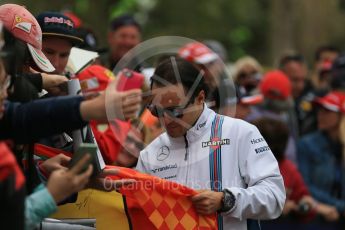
(217, 153)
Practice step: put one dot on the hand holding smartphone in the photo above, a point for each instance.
(87, 148)
(129, 79)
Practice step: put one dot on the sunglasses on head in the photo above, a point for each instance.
(174, 112)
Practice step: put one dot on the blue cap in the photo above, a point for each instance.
(59, 25)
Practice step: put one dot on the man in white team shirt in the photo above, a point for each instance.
(226, 159)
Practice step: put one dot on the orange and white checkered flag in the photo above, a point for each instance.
(155, 203)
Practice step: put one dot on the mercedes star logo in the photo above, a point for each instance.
(163, 153)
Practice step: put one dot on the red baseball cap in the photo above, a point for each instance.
(95, 78)
(198, 53)
(23, 26)
(75, 19)
(333, 101)
(275, 85)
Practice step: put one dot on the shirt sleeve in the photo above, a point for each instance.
(38, 206)
(107, 142)
(26, 123)
(264, 196)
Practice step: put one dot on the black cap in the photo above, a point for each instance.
(59, 25)
(90, 40)
(124, 20)
(338, 73)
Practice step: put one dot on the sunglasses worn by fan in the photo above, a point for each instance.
(243, 75)
(174, 112)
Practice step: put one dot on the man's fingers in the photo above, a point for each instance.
(131, 100)
(129, 116)
(131, 106)
(198, 197)
(109, 172)
(61, 167)
(200, 209)
(133, 92)
(84, 177)
(202, 203)
(131, 110)
(64, 160)
(81, 164)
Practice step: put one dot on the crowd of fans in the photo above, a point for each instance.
(299, 111)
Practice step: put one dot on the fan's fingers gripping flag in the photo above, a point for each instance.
(152, 202)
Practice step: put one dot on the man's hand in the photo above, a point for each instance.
(51, 82)
(104, 183)
(207, 202)
(57, 162)
(309, 200)
(122, 105)
(62, 183)
(330, 213)
(289, 206)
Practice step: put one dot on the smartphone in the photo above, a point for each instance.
(129, 79)
(86, 148)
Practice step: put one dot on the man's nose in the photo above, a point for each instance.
(167, 119)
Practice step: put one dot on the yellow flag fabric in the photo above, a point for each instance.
(106, 207)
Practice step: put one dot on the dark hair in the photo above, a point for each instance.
(276, 134)
(16, 54)
(291, 58)
(124, 20)
(325, 48)
(189, 74)
(338, 73)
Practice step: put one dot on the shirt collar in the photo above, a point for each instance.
(201, 125)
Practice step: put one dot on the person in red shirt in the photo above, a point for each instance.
(94, 79)
(112, 136)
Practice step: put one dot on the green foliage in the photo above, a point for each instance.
(122, 6)
(240, 37)
(81, 6)
(255, 27)
(233, 23)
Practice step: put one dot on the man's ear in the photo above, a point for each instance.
(201, 97)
